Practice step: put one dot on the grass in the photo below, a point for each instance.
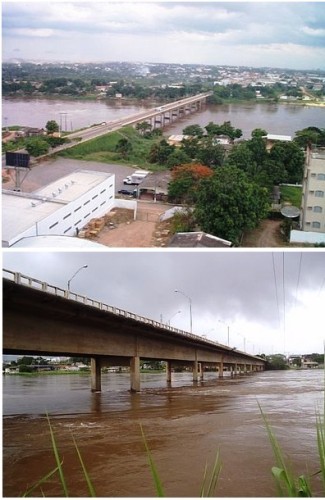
(103, 149)
(292, 195)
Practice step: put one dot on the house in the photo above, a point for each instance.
(271, 139)
(176, 139)
(154, 186)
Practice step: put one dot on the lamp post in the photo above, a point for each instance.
(228, 328)
(190, 303)
(168, 322)
(82, 267)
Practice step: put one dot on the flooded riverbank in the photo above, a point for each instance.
(185, 425)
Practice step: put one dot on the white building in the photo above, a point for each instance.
(61, 208)
(313, 197)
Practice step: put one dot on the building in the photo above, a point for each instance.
(271, 139)
(61, 208)
(312, 218)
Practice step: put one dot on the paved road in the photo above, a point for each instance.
(49, 171)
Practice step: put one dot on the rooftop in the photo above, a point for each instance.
(198, 239)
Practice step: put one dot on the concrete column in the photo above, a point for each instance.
(135, 374)
(201, 365)
(168, 372)
(195, 371)
(221, 369)
(96, 376)
(236, 369)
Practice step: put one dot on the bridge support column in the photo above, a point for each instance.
(195, 371)
(168, 372)
(135, 374)
(96, 376)
(220, 369)
(201, 365)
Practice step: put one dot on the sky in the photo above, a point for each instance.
(268, 302)
(274, 34)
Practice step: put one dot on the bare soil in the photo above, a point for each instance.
(122, 231)
(268, 234)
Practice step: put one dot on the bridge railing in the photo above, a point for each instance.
(24, 280)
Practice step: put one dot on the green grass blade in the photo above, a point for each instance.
(57, 459)
(281, 473)
(40, 482)
(214, 477)
(154, 472)
(91, 489)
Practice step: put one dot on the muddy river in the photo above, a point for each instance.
(184, 425)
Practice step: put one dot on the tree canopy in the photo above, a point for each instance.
(229, 203)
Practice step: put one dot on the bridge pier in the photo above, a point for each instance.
(96, 376)
(135, 374)
(168, 372)
(220, 368)
(195, 371)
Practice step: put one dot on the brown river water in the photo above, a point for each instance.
(184, 424)
(74, 114)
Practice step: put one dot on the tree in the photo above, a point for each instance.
(177, 157)
(228, 204)
(210, 154)
(185, 182)
(36, 146)
(123, 147)
(159, 153)
(289, 156)
(143, 128)
(52, 126)
(194, 130)
(258, 132)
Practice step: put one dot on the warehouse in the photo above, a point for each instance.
(61, 208)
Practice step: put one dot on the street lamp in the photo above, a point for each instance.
(228, 328)
(168, 322)
(82, 267)
(190, 302)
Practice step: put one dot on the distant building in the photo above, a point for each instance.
(176, 139)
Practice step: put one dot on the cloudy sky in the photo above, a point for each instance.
(271, 301)
(276, 34)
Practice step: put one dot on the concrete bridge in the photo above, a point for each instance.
(158, 117)
(41, 319)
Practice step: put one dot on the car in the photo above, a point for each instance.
(126, 192)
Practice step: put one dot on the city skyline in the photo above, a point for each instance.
(267, 302)
(258, 34)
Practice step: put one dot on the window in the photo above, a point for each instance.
(321, 177)
(319, 194)
(66, 216)
(103, 203)
(94, 210)
(309, 208)
(86, 203)
(103, 191)
(318, 210)
(96, 196)
(78, 222)
(76, 210)
(316, 225)
(312, 175)
(67, 229)
(53, 225)
(85, 217)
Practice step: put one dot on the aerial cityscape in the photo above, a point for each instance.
(163, 234)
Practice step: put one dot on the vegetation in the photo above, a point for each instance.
(229, 203)
(292, 195)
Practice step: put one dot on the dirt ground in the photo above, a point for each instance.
(122, 231)
(268, 234)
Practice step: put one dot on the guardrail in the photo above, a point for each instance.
(22, 279)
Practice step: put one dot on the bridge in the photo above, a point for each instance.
(158, 117)
(41, 319)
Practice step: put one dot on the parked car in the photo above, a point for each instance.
(126, 192)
